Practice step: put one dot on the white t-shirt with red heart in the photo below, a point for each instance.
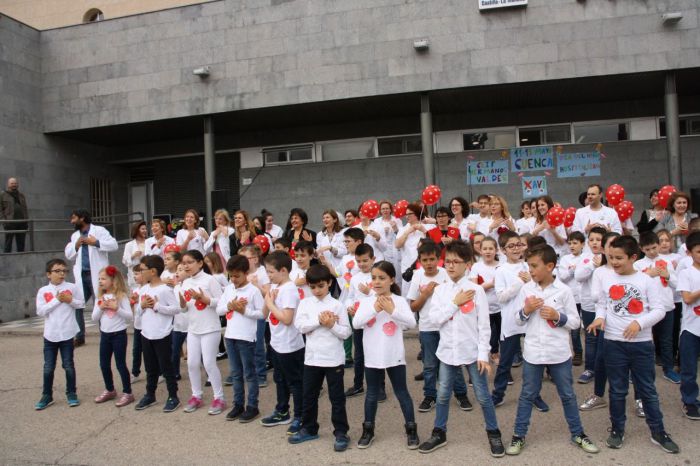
(418, 283)
(689, 280)
(285, 338)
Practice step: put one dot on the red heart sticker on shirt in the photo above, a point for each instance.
(371, 322)
(356, 305)
(110, 313)
(696, 310)
(479, 280)
(273, 319)
(48, 296)
(389, 328)
(188, 296)
(347, 276)
(301, 293)
(551, 323)
(467, 307)
(586, 261)
(616, 292)
(229, 315)
(662, 264)
(350, 264)
(200, 305)
(99, 303)
(635, 306)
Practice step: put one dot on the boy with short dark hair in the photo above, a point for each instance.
(57, 302)
(565, 273)
(548, 313)
(689, 287)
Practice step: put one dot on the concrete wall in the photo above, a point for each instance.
(54, 173)
(266, 53)
(638, 165)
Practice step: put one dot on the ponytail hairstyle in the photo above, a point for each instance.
(388, 268)
(197, 256)
(120, 289)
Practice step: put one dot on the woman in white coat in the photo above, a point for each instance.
(134, 251)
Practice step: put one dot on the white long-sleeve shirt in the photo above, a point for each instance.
(583, 274)
(465, 331)
(378, 246)
(59, 318)
(222, 242)
(382, 338)
(324, 346)
(181, 322)
(667, 285)
(304, 290)
(525, 225)
(484, 274)
(389, 235)
(335, 241)
(689, 280)
(285, 338)
(566, 269)
(129, 262)
(241, 326)
(153, 249)
(157, 322)
(112, 320)
(627, 298)
(204, 320)
(508, 285)
(418, 283)
(604, 216)
(561, 249)
(196, 243)
(547, 342)
(354, 294)
(409, 250)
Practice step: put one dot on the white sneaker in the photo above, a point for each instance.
(593, 402)
(135, 378)
(639, 408)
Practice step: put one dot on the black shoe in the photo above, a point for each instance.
(420, 356)
(664, 441)
(235, 413)
(349, 364)
(437, 439)
(412, 435)
(381, 397)
(427, 404)
(367, 435)
(145, 402)
(268, 366)
(208, 383)
(464, 403)
(354, 391)
(691, 412)
(178, 377)
(251, 413)
(342, 441)
(77, 343)
(509, 377)
(171, 404)
(418, 377)
(577, 360)
(496, 444)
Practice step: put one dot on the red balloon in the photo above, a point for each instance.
(400, 208)
(172, 247)
(262, 242)
(624, 210)
(569, 216)
(665, 194)
(555, 216)
(615, 194)
(369, 209)
(431, 194)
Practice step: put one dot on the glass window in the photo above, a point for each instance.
(348, 150)
(288, 154)
(683, 123)
(489, 140)
(559, 134)
(399, 145)
(585, 133)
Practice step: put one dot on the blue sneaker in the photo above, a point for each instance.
(294, 427)
(302, 436)
(44, 402)
(540, 405)
(672, 376)
(73, 400)
(342, 441)
(586, 376)
(276, 419)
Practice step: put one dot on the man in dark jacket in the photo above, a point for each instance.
(13, 206)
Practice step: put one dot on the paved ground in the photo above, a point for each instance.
(103, 434)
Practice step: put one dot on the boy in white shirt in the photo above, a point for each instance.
(689, 287)
(548, 313)
(480, 222)
(663, 271)
(420, 297)
(158, 305)
(242, 305)
(461, 310)
(303, 253)
(57, 302)
(325, 323)
(565, 273)
(286, 343)
(633, 304)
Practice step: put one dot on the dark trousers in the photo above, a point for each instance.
(289, 379)
(313, 379)
(178, 339)
(664, 332)
(136, 353)
(690, 349)
(359, 358)
(576, 335)
(495, 321)
(51, 350)
(88, 292)
(19, 239)
(589, 356)
(509, 348)
(114, 343)
(677, 317)
(157, 360)
(397, 376)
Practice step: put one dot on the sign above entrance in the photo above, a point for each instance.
(493, 4)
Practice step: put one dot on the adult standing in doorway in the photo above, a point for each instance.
(13, 206)
(89, 246)
(595, 214)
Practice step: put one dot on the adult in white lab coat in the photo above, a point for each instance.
(89, 246)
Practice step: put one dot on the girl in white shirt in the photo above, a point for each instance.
(257, 276)
(483, 273)
(526, 222)
(271, 229)
(555, 236)
(134, 250)
(199, 296)
(372, 237)
(388, 225)
(501, 221)
(180, 322)
(459, 207)
(383, 317)
(192, 237)
(156, 244)
(113, 311)
(408, 237)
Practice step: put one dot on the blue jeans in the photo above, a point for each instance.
(136, 353)
(375, 378)
(576, 336)
(689, 346)
(51, 350)
(429, 342)
(591, 341)
(621, 358)
(509, 348)
(532, 384)
(241, 357)
(114, 343)
(88, 292)
(178, 339)
(260, 353)
(448, 375)
(664, 330)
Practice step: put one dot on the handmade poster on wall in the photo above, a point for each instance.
(534, 186)
(528, 159)
(578, 164)
(487, 172)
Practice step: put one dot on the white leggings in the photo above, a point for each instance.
(204, 348)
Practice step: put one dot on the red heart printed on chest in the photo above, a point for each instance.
(696, 310)
(273, 319)
(229, 315)
(301, 293)
(350, 265)
(371, 322)
(347, 276)
(479, 280)
(48, 296)
(551, 323)
(389, 328)
(356, 305)
(188, 296)
(467, 307)
(635, 306)
(199, 304)
(616, 292)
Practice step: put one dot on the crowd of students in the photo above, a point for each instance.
(477, 286)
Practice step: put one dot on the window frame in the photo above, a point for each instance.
(288, 149)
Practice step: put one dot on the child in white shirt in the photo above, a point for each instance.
(565, 273)
(483, 273)
(180, 322)
(57, 302)
(257, 276)
(134, 300)
(689, 287)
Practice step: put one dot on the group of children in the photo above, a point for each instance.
(472, 301)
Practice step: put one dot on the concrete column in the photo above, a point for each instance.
(426, 132)
(209, 167)
(673, 133)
